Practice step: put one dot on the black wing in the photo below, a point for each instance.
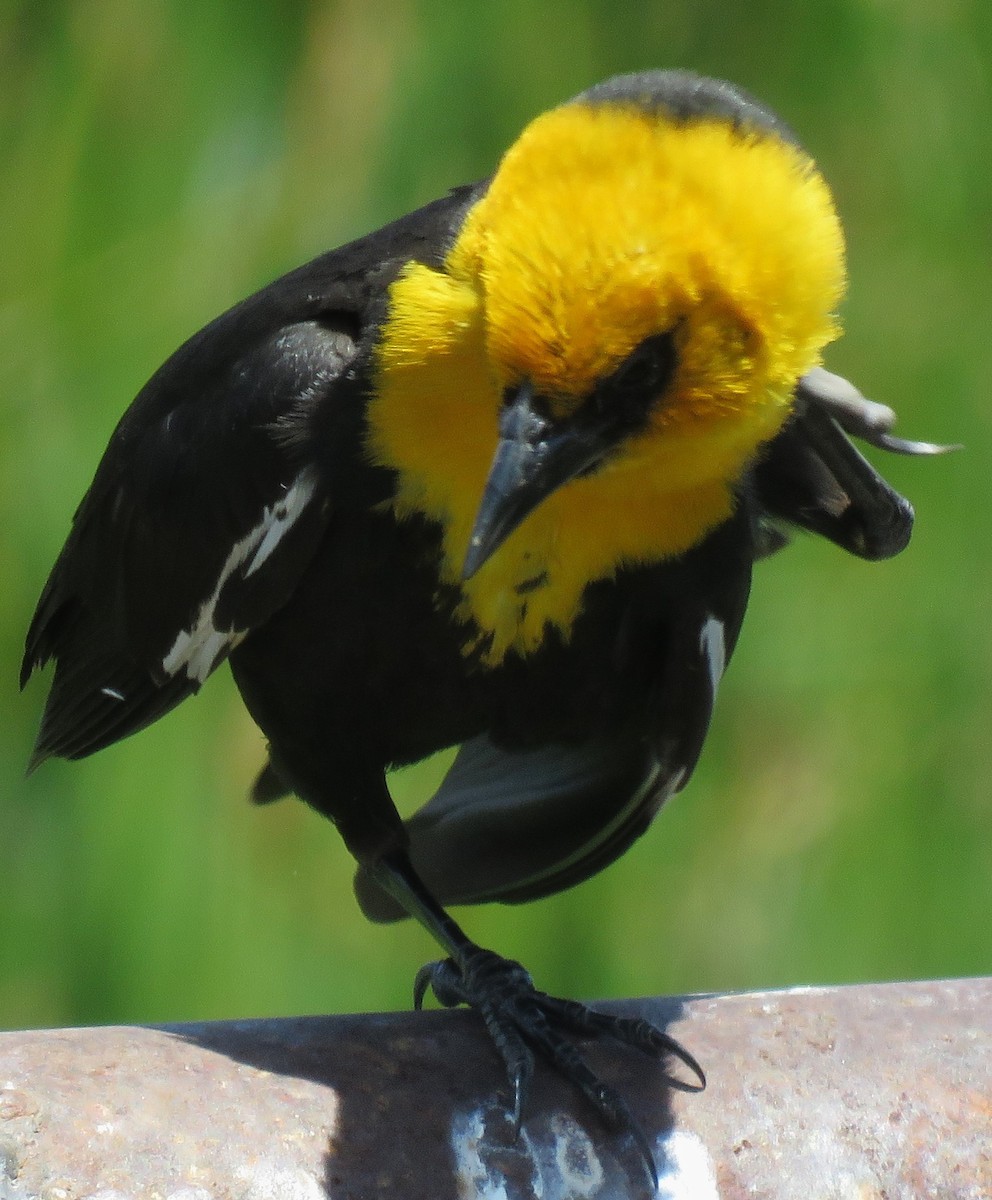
(210, 500)
(199, 521)
(811, 476)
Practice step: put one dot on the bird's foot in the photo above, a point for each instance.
(522, 1020)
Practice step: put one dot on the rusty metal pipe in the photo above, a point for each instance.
(879, 1092)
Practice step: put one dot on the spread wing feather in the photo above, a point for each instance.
(812, 476)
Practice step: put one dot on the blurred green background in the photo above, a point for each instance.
(159, 159)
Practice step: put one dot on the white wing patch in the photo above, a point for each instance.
(714, 649)
(198, 649)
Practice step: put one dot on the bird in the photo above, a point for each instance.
(493, 477)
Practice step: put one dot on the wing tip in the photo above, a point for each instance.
(28, 668)
(268, 786)
(39, 755)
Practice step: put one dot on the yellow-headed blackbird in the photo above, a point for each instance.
(494, 475)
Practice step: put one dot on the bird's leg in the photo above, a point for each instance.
(520, 1019)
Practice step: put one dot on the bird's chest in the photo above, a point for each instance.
(525, 594)
(522, 600)
(433, 661)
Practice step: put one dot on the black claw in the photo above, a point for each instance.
(639, 1138)
(677, 1050)
(422, 982)
(632, 1031)
(518, 1060)
(444, 980)
(521, 1081)
(521, 1020)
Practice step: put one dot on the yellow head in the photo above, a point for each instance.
(646, 277)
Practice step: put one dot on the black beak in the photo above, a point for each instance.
(534, 457)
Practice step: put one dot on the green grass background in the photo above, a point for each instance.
(159, 159)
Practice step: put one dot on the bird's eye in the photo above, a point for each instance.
(648, 368)
(639, 380)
